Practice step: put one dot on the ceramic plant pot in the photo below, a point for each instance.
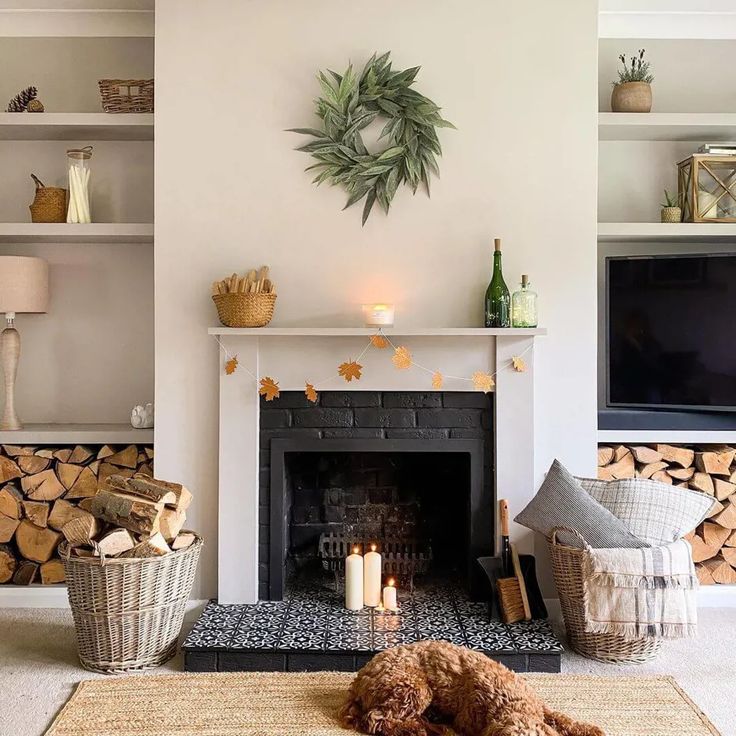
(671, 214)
(632, 97)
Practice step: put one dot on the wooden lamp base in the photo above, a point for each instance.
(9, 354)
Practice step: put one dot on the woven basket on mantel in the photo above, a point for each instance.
(567, 568)
(128, 612)
(245, 310)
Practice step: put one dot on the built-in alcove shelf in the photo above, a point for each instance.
(95, 232)
(669, 436)
(367, 331)
(77, 434)
(667, 126)
(660, 232)
(72, 126)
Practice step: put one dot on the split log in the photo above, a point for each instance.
(8, 563)
(45, 452)
(661, 477)
(704, 574)
(723, 488)
(80, 455)
(146, 470)
(8, 525)
(130, 512)
(727, 517)
(35, 542)
(681, 473)
(16, 450)
(154, 546)
(623, 468)
(721, 571)
(84, 552)
(84, 486)
(33, 464)
(149, 452)
(37, 512)
(52, 572)
(651, 468)
(679, 455)
(8, 470)
(715, 509)
(42, 486)
(10, 500)
(729, 554)
(105, 451)
(731, 541)
(146, 488)
(171, 523)
(115, 542)
(182, 493)
(708, 541)
(646, 455)
(703, 482)
(63, 455)
(127, 458)
(68, 474)
(183, 540)
(605, 455)
(620, 452)
(106, 470)
(63, 512)
(86, 504)
(715, 463)
(25, 572)
(80, 532)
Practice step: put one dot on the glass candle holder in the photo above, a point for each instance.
(378, 315)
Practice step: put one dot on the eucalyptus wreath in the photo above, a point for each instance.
(349, 103)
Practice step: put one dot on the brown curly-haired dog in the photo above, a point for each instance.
(462, 688)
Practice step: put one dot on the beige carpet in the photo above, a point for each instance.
(296, 704)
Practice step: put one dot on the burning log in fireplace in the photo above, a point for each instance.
(400, 558)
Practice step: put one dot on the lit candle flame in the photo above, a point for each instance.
(373, 548)
(356, 550)
(391, 582)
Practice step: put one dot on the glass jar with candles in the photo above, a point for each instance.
(79, 173)
(524, 305)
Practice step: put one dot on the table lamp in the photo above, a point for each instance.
(24, 287)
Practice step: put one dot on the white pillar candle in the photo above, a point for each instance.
(389, 596)
(372, 578)
(354, 581)
(378, 315)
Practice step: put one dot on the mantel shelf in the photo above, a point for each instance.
(367, 331)
(658, 232)
(71, 126)
(72, 434)
(94, 232)
(667, 126)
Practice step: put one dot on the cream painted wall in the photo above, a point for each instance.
(518, 80)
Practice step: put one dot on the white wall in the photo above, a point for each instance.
(520, 84)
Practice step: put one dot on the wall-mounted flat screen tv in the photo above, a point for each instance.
(671, 332)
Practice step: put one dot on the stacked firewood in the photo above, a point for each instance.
(42, 490)
(709, 469)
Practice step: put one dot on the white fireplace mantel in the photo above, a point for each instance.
(293, 355)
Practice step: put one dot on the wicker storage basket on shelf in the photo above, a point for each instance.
(245, 310)
(567, 567)
(49, 204)
(128, 612)
(126, 95)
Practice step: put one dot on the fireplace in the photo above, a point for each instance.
(409, 471)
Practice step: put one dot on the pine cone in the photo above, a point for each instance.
(21, 100)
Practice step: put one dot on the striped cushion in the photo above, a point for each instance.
(562, 501)
(653, 511)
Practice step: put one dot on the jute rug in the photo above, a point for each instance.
(304, 704)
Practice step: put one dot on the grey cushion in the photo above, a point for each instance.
(652, 511)
(562, 501)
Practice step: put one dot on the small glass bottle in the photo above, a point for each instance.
(79, 171)
(497, 302)
(524, 305)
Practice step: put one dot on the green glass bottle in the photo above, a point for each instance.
(498, 299)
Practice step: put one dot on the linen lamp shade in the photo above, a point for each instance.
(24, 284)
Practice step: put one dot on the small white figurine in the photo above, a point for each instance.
(142, 416)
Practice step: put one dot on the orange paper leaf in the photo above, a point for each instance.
(310, 393)
(518, 363)
(437, 380)
(231, 365)
(269, 388)
(350, 370)
(379, 341)
(483, 381)
(402, 358)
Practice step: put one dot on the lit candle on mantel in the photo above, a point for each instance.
(389, 596)
(378, 315)
(372, 578)
(354, 581)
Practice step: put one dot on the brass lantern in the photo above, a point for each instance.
(707, 188)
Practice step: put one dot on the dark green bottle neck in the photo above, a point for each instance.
(497, 261)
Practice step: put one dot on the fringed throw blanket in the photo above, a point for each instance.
(638, 593)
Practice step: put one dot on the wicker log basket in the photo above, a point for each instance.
(567, 568)
(245, 310)
(128, 612)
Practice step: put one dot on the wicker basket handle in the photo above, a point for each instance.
(553, 537)
(39, 183)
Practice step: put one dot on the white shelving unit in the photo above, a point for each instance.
(72, 126)
(659, 232)
(666, 126)
(76, 434)
(96, 232)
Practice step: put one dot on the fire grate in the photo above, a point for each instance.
(402, 559)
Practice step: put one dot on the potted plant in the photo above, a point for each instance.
(633, 91)
(671, 211)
